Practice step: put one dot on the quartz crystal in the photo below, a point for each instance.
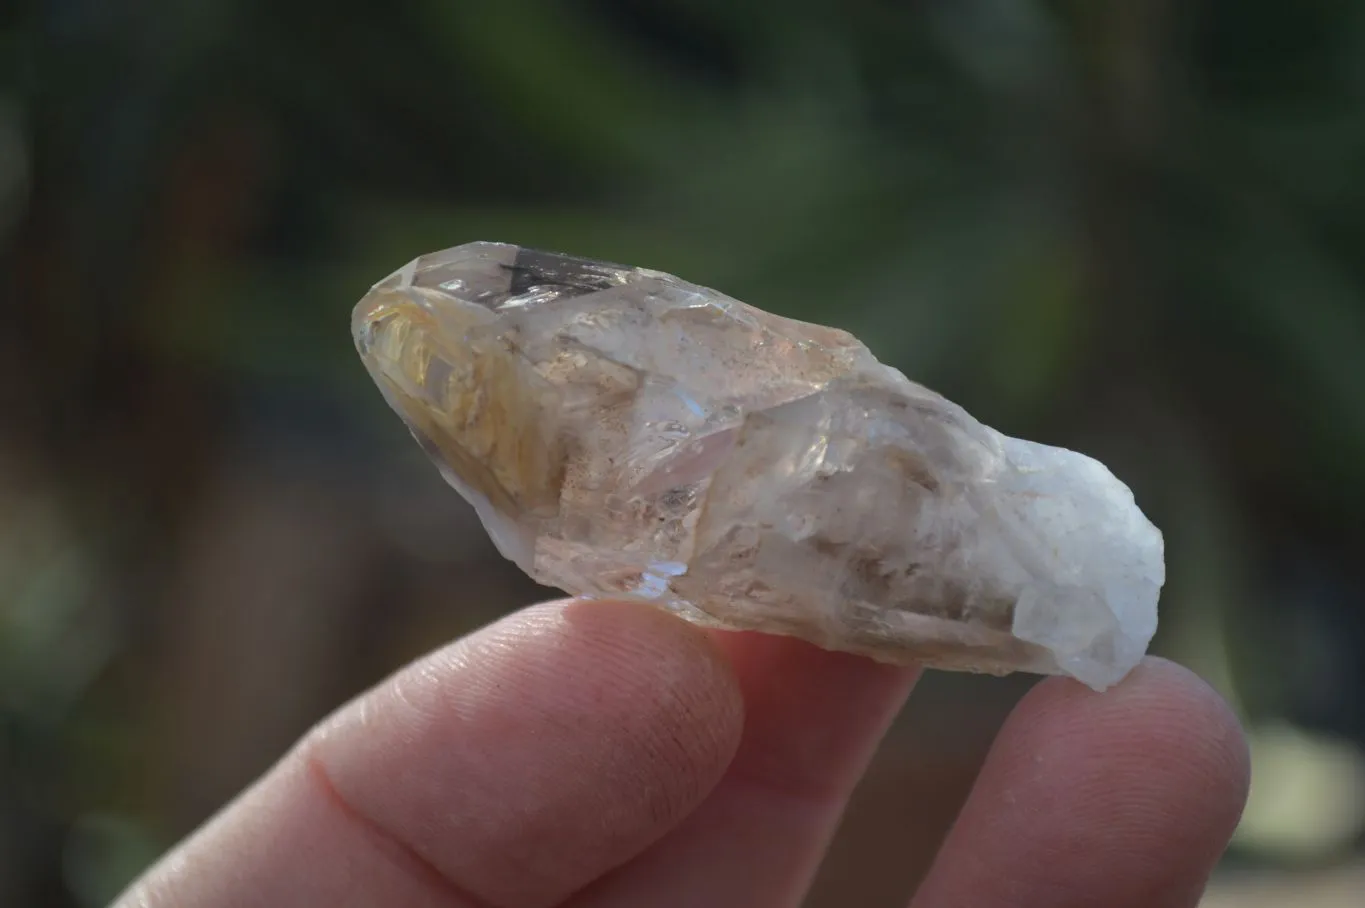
(626, 434)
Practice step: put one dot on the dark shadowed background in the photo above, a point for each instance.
(1134, 228)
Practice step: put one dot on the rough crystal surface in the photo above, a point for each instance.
(623, 433)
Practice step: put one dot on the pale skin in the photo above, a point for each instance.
(594, 754)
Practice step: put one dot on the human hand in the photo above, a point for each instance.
(593, 754)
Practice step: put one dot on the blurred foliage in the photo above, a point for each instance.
(1131, 227)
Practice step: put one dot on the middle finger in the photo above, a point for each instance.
(813, 719)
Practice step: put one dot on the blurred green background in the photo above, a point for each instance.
(1132, 227)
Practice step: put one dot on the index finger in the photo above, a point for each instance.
(510, 769)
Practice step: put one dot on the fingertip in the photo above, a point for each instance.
(542, 750)
(1126, 797)
(1160, 743)
(608, 661)
(1162, 713)
(662, 673)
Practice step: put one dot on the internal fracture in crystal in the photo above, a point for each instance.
(626, 434)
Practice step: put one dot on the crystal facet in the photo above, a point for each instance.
(626, 434)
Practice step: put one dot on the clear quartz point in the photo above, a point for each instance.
(626, 434)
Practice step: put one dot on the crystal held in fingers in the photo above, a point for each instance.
(623, 433)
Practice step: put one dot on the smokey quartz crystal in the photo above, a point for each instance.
(626, 434)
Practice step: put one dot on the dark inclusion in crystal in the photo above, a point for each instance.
(532, 268)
